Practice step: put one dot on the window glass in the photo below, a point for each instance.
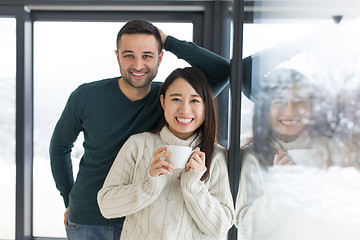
(7, 126)
(276, 34)
(67, 54)
(300, 151)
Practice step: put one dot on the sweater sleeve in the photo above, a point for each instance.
(215, 67)
(259, 212)
(211, 206)
(65, 133)
(123, 194)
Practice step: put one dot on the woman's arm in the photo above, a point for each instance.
(128, 187)
(258, 211)
(210, 204)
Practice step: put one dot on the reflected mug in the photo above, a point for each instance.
(307, 157)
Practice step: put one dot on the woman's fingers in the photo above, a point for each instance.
(282, 159)
(196, 161)
(159, 164)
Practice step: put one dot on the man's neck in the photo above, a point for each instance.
(132, 93)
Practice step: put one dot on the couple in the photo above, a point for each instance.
(109, 111)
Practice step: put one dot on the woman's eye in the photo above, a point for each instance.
(175, 99)
(299, 102)
(195, 100)
(279, 102)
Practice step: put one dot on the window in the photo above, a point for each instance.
(67, 54)
(305, 90)
(7, 126)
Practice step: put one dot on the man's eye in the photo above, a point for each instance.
(128, 56)
(147, 56)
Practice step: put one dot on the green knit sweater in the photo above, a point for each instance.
(108, 118)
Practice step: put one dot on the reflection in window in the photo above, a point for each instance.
(65, 56)
(300, 176)
(7, 126)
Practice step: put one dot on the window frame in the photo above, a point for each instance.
(211, 19)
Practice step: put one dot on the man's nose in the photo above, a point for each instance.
(138, 63)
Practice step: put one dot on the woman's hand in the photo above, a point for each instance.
(159, 165)
(196, 161)
(282, 159)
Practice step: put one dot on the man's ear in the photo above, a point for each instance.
(160, 57)
(162, 101)
(117, 56)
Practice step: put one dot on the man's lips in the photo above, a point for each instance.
(138, 74)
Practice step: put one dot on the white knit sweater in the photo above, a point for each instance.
(179, 206)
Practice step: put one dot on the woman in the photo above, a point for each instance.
(161, 202)
(273, 187)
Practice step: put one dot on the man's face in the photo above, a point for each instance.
(139, 59)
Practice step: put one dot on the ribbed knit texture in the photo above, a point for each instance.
(179, 206)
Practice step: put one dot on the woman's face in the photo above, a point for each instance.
(290, 113)
(184, 109)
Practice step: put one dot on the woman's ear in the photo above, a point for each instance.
(162, 101)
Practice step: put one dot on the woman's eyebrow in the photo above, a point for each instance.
(178, 94)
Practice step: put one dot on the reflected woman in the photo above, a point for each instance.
(158, 201)
(286, 117)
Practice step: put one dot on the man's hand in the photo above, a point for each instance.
(163, 36)
(66, 215)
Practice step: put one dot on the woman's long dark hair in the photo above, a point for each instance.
(198, 81)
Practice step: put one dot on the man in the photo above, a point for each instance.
(108, 112)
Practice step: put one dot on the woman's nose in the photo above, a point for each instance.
(184, 108)
(289, 107)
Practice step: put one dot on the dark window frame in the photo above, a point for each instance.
(211, 30)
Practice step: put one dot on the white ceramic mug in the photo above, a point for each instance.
(180, 155)
(307, 157)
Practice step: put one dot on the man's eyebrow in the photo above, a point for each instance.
(127, 51)
(144, 52)
(148, 52)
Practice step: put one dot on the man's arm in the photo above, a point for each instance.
(65, 133)
(215, 67)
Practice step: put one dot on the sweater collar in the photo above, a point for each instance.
(301, 142)
(170, 139)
